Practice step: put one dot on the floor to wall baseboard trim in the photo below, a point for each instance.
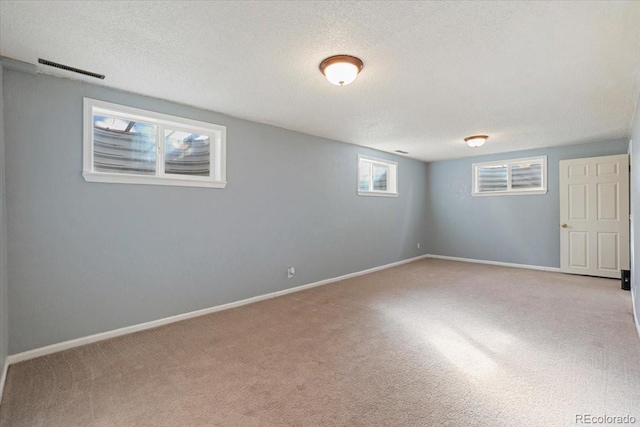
(65, 345)
(5, 369)
(635, 313)
(503, 264)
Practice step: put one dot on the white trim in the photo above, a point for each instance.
(509, 164)
(3, 378)
(65, 345)
(392, 177)
(217, 157)
(112, 178)
(509, 193)
(149, 116)
(502, 264)
(635, 314)
(376, 194)
(383, 162)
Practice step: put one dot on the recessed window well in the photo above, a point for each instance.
(131, 146)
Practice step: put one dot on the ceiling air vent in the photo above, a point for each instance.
(72, 69)
(402, 152)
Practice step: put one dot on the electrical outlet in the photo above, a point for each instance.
(418, 245)
(290, 272)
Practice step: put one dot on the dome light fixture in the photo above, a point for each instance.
(341, 70)
(475, 141)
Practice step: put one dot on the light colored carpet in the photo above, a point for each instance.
(428, 343)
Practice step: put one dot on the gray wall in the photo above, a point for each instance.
(90, 257)
(3, 239)
(515, 229)
(635, 209)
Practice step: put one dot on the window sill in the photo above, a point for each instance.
(509, 193)
(371, 193)
(150, 180)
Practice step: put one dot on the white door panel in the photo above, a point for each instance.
(578, 201)
(608, 203)
(577, 170)
(578, 249)
(594, 215)
(608, 251)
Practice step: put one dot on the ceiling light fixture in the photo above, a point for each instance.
(341, 69)
(476, 140)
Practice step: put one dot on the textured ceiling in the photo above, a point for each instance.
(528, 74)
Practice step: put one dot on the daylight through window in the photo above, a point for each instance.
(377, 177)
(128, 145)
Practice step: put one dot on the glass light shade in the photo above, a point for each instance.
(341, 70)
(341, 73)
(476, 140)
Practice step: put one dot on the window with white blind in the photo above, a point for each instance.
(377, 177)
(510, 177)
(132, 146)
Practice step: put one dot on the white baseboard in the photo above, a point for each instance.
(65, 345)
(5, 368)
(635, 313)
(503, 264)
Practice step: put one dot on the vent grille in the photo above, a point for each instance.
(72, 69)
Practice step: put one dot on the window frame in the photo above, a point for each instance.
(217, 147)
(542, 160)
(392, 168)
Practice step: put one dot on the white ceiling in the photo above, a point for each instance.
(528, 74)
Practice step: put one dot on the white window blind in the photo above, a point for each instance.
(517, 176)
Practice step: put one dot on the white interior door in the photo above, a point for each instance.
(594, 215)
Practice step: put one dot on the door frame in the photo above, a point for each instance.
(566, 225)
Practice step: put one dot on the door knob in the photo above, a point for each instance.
(564, 225)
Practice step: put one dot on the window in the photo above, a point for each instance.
(132, 146)
(518, 176)
(377, 177)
